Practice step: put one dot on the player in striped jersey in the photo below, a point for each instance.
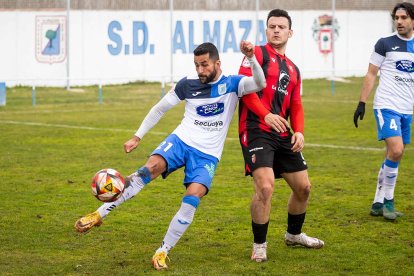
(393, 103)
(196, 144)
(270, 149)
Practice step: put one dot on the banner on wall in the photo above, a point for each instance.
(50, 39)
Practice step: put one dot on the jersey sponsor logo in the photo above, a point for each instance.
(207, 110)
(284, 80)
(406, 81)
(208, 124)
(405, 66)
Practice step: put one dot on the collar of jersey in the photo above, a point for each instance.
(219, 78)
(270, 48)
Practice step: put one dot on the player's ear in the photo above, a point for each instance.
(218, 62)
(290, 33)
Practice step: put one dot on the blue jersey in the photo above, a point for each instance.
(394, 56)
(209, 109)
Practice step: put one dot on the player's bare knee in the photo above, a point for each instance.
(265, 192)
(307, 190)
(155, 165)
(395, 154)
(304, 192)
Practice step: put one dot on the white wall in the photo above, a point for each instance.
(96, 54)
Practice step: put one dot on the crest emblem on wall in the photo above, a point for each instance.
(50, 39)
(325, 31)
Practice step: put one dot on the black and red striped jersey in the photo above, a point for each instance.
(281, 96)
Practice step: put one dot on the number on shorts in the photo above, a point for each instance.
(169, 145)
(393, 124)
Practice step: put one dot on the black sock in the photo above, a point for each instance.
(259, 232)
(295, 223)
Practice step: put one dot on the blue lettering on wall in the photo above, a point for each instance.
(212, 37)
(191, 45)
(137, 43)
(178, 38)
(139, 39)
(230, 38)
(247, 26)
(116, 38)
(212, 33)
(261, 34)
(139, 47)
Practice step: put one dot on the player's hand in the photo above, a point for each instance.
(276, 122)
(247, 48)
(359, 112)
(298, 141)
(131, 144)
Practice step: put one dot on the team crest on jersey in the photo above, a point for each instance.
(405, 66)
(284, 80)
(221, 89)
(207, 110)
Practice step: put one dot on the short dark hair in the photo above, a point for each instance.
(207, 47)
(279, 13)
(408, 7)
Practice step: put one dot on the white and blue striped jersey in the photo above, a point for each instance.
(394, 56)
(209, 109)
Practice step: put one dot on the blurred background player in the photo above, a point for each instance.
(196, 144)
(270, 150)
(393, 102)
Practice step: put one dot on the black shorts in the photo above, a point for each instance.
(263, 149)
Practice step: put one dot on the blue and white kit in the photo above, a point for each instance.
(209, 109)
(394, 97)
(394, 56)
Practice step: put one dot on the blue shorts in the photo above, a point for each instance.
(198, 166)
(391, 123)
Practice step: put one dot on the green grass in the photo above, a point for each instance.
(49, 152)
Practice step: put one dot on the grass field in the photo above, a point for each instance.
(49, 152)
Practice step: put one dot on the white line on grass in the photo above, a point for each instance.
(73, 127)
(164, 133)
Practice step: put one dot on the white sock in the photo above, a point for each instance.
(135, 187)
(379, 193)
(390, 178)
(180, 222)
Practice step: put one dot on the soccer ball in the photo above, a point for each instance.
(107, 185)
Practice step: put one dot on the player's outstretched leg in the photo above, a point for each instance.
(133, 185)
